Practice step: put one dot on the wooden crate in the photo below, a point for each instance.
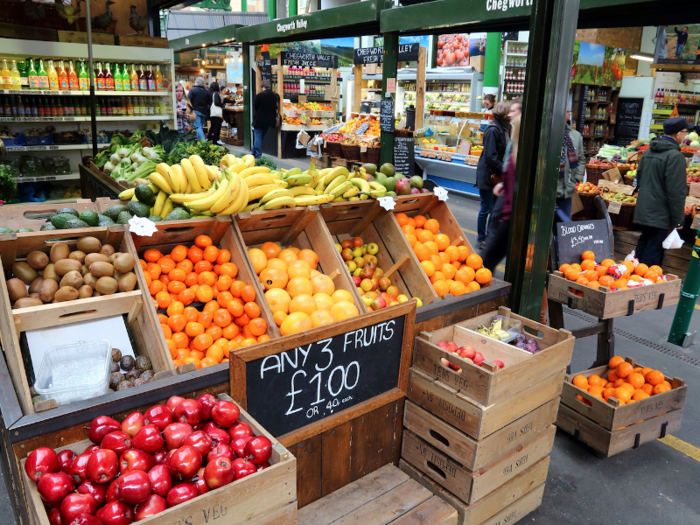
(380, 498)
(609, 415)
(470, 453)
(141, 319)
(493, 505)
(16, 216)
(605, 304)
(102, 203)
(465, 484)
(607, 443)
(471, 417)
(266, 497)
(487, 384)
(675, 261)
(300, 227)
(368, 220)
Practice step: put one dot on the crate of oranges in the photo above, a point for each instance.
(620, 406)
(206, 300)
(608, 289)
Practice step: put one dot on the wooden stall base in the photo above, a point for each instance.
(386, 496)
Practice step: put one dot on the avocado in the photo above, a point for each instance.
(124, 217)
(101, 217)
(138, 208)
(72, 211)
(113, 211)
(178, 214)
(25, 230)
(380, 177)
(72, 224)
(155, 218)
(90, 217)
(6, 230)
(144, 194)
(59, 220)
(105, 221)
(47, 226)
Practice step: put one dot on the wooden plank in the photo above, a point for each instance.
(16, 216)
(308, 479)
(336, 457)
(80, 37)
(518, 510)
(286, 515)
(473, 454)
(434, 511)
(357, 91)
(352, 496)
(420, 88)
(608, 443)
(299, 226)
(142, 41)
(372, 440)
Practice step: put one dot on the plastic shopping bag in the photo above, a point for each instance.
(673, 241)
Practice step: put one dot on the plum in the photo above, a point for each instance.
(520, 338)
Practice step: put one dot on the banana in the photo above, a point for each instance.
(362, 184)
(157, 179)
(207, 213)
(281, 183)
(182, 198)
(352, 192)
(209, 201)
(275, 194)
(279, 202)
(358, 174)
(293, 171)
(260, 191)
(340, 188)
(300, 179)
(134, 198)
(248, 160)
(378, 191)
(153, 188)
(201, 170)
(178, 172)
(258, 179)
(340, 198)
(252, 171)
(239, 203)
(191, 175)
(164, 170)
(298, 191)
(313, 172)
(320, 187)
(308, 200)
(364, 196)
(336, 172)
(229, 160)
(238, 168)
(167, 208)
(150, 211)
(252, 207)
(276, 174)
(234, 187)
(160, 202)
(335, 183)
(127, 194)
(214, 172)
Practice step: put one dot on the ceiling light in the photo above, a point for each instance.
(646, 57)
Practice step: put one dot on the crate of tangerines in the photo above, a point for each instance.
(607, 289)
(621, 405)
(206, 300)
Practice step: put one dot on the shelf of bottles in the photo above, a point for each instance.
(514, 63)
(686, 103)
(293, 89)
(316, 74)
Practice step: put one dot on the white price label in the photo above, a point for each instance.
(441, 193)
(387, 203)
(614, 207)
(142, 227)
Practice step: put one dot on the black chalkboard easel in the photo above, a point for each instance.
(386, 115)
(574, 238)
(629, 119)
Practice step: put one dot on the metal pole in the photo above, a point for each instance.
(686, 304)
(551, 44)
(93, 116)
(272, 9)
(293, 8)
(492, 63)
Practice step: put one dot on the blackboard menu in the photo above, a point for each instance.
(574, 238)
(265, 67)
(404, 155)
(629, 118)
(386, 115)
(296, 59)
(297, 387)
(375, 55)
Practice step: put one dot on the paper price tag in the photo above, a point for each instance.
(614, 207)
(696, 223)
(363, 148)
(142, 227)
(387, 203)
(441, 193)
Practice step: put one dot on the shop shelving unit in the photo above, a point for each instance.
(514, 65)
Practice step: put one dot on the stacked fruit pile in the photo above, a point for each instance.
(148, 463)
(621, 276)
(451, 269)
(202, 273)
(465, 352)
(300, 297)
(587, 188)
(624, 382)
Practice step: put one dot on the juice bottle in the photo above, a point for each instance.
(6, 76)
(14, 106)
(53, 77)
(7, 105)
(20, 107)
(109, 78)
(134, 78)
(143, 79)
(110, 108)
(83, 77)
(159, 79)
(23, 68)
(16, 77)
(63, 76)
(129, 108)
(43, 76)
(151, 79)
(73, 82)
(60, 107)
(100, 78)
(53, 107)
(33, 106)
(68, 107)
(117, 78)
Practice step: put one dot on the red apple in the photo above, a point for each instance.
(161, 480)
(443, 345)
(78, 470)
(357, 280)
(243, 467)
(41, 461)
(378, 304)
(101, 426)
(238, 445)
(96, 490)
(159, 415)
(346, 254)
(240, 429)
(219, 473)
(199, 440)
(115, 513)
(133, 423)
(86, 519)
(54, 486)
(207, 402)
(451, 347)
(174, 401)
(218, 436)
(209, 425)
(117, 441)
(134, 487)
(263, 466)
(467, 352)
(73, 505)
(384, 283)
(91, 449)
(499, 363)
(54, 516)
(199, 482)
(111, 494)
(159, 457)
(134, 459)
(148, 439)
(152, 506)
(175, 434)
(478, 359)
(65, 460)
(220, 451)
(185, 462)
(189, 411)
(225, 413)
(102, 466)
(181, 493)
(258, 450)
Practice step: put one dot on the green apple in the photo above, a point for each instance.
(367, 299)
(357, 252)
(364, 249)
(357, 272)
(372, 248)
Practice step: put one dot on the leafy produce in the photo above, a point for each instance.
(127, 475)
(266, 162)
(8, 186)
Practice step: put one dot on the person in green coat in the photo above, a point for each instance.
(661, 179)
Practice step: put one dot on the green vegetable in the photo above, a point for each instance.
(6, 230)
(155, 218)
(266, 162)
(8, 186)
(47, 226)
(113, 211)
(90, 217)
(138, 208)
(25, 230)
(178, 214)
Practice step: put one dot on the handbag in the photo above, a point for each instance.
(278, 117)
(191, 115)
(215, 111)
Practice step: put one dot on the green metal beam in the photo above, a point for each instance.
(271, 10)
(244, 6)
(219, 36)
(551, 45)
(247, 97)
(389, 69)
(293, 7)
(492, 60)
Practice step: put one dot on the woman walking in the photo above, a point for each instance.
(216, 113)
(183, 119)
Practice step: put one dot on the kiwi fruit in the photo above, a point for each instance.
(36, 284)
(48, 290)
(89, 245)
(84, 270)
(34, 295)
(64, 266)
(78, 256)
(125, 263)
(127, 282)
(84, 291)
(90, 280)
(24, 272)
(106, 285)
(50, 272)
(59, 251)
(73, 279)
(26, 302)
(101, 269)
(95, 257)
(37, 260)
(16, 289)
(107, 250)
(66, 293)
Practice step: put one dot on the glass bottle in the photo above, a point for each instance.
(159, 79)
(53, 77)
(60, 107)
(109, 78)
(52, 107)
(43, 76)
(16, 77)
(129, 108)
(151, 78)
(117, 78)
(63, 77)
(143, 79)
(73, 82)
(83, 77)
(7, 103)
(14, 107)
(68, 107)
(100, 78)
(134, 78)
(21, 111)
(6, 76)
(23, 67)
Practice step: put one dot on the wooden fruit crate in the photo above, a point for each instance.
(266, 497)
(471, 417)
(368, 220)
(610, 415)
(141, 320)
(487, 384)
(605, 304)
(507, 504)
(300, 227)
(16, 216)
(607, 443)
(470, 453)
(102, 203)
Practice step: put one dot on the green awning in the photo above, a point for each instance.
(215, 37)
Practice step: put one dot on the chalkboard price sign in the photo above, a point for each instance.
(265, 67)
(404, 156)
(294, 58)
(375, 55)
(386, 115)
(574, 238)
(629, 118)
(287, 390)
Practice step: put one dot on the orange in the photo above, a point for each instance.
(215, 331)
(163, 299)
(203, 266)
(176, 287)
(424, 236)
(279, 264)
(412, 221)
(648, 388)
(195, 254)
(194, 360)
(660, 389)
(591, 275)
(258, 258)
(572, 274)
(402, 219)
(242, 320)
(593, 284)
(432, 246)
(638, 396)
(608, 392)
(420, 221)
(181, 340)
(155, 287)
(583, 400)
(215, 352)
(279, 316)
(606, 280)
(177, 322)
(438, 276)
(167, 331)
(295, 323)
(645, 371)
(463, 253)
(595, 380)
(441, 287)
(222, 318)
(229, 269)
(421, 251)
(321, 318)
(457, 288)
(473, 286)
(449, 271)
(576, 266)
(288, 255)
(192, 279)
(652, 276)
(176, 307)
(322, 284)
(582, 280)
(580, 382)
(342, 296)
(223, 257)
(152, 255)
(206, 277)
(465, 275)
(474, 261)
(588, 255)
(205, 293)
(628, 387)
(248, 293)
(300, 285)
(587, 264)
(596, 391)
(231, 331)
(428, 268)
(166, 265)
(202, 241)
(619, 382)
(614, 361)
(564, 267)
(607, 262)
(408, 230)
(235, 307)
(323, 301)
(641, 269)
(344, 310)
(224, 283)
(299, 269)
(623, 369)
(432, 225)
(278, 300)
(185, 265)
(257, 327)
(437, 262)
(251, 309)
(249, 341)
(270, 249)
(202, 342)
(622, 394)
(211, 253)
(483, 276)
(193, 329)
(442, 240)
(412, 240)
(636, 380)
(655, 378)
(309, 256)
(453, 253)
(273, 278)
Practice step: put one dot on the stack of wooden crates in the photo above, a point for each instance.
(480, 436)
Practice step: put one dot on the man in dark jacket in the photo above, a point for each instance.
(661, 179)
(200, 98)
(682, 39)
(265, 106)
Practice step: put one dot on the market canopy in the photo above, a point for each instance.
(215, 37)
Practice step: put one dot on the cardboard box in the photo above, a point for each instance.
(477, 63)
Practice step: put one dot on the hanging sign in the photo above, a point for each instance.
(386, 115)
(265, 68)
(375, 55)
(296, 59)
